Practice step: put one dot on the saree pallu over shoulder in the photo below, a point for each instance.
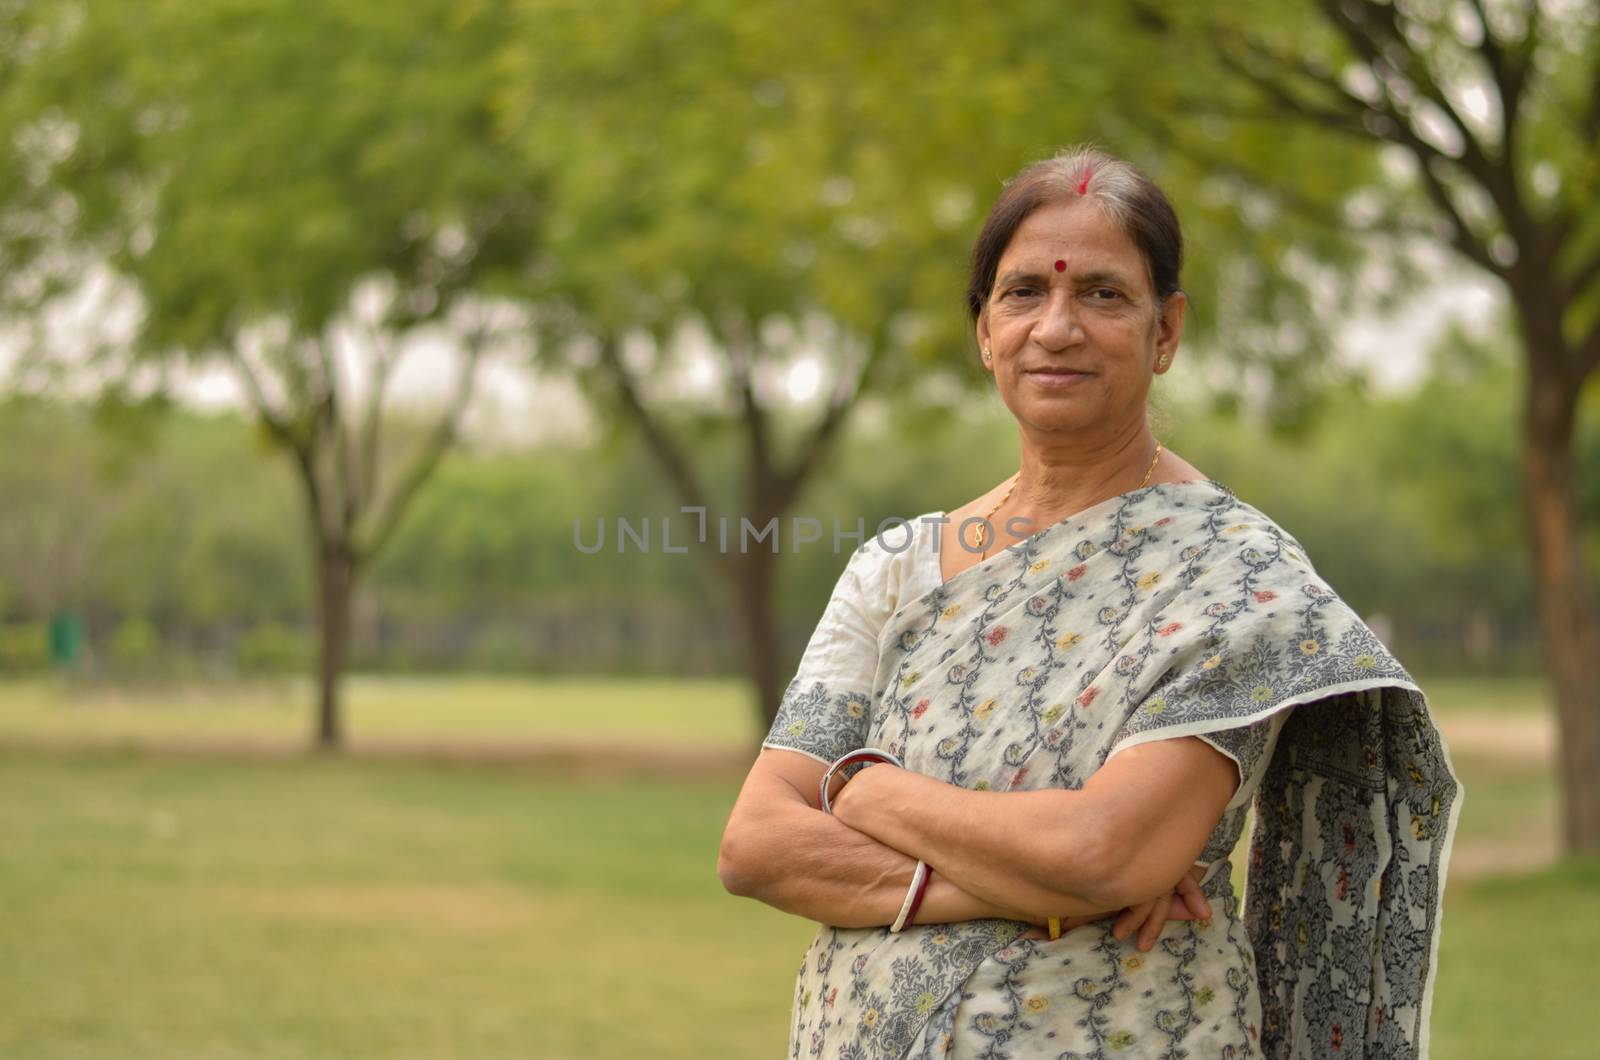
(1175, 610)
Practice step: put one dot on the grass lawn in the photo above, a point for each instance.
(183, 907)
(1511, 967)
(309, 908)
(1486, 695)
(699, 713)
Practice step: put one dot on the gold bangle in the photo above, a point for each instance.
(1055, 927)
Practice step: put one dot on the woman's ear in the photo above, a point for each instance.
(984, 355)
(1169, 328)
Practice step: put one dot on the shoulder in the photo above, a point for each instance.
(1228, 528)
(896, 564)
(1240, 569)
(1245, 580)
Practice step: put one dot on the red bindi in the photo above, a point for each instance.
(1061, 266)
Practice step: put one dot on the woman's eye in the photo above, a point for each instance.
(1108, 293)
(1019, 291)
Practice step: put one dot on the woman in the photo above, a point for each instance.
(1084, 678)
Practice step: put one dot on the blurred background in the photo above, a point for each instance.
(329, 332)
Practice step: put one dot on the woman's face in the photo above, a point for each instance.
(1073, 326)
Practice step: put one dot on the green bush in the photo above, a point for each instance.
(24, 647)
(499, 648)
(134, 648)
(272, 648)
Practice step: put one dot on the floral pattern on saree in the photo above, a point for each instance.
(1171, 611)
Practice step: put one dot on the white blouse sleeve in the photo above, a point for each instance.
(824, 712)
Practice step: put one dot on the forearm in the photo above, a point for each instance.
(811, 864)
(1006, 848)
(946, 902)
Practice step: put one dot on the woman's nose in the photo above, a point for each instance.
(1058, 323)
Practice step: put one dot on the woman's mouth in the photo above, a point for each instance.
(1056, 378)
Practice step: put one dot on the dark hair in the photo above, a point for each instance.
(1119, 188)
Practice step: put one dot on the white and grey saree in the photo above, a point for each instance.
(1171, 611)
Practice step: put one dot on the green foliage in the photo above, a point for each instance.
(273, 649)
(239, 160)
(195, 528)
(135, 647)
(785, 178)
(1406, 503)
(295, 192)
(24, 647)
(59, 490)
(778, 181)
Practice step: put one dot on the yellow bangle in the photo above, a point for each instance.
(1055, 927)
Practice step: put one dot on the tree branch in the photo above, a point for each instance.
(1462, 237)
(793, 480)
(1500, 66)
(661, 443)
(1383, 122)
(1591, 125)
(383, 359)
(277, 425)
(379, 528)
(1326, 215)
(1509, 67)
(300, 448)
(740, 343)
(1346, 121)
(330, 408)
(1588, 356)
(1585, 274)
(1378, 36)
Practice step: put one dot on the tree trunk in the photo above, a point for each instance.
(754, 576)
(335, 577)
(1567, 615)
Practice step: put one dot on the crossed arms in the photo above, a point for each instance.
(1117, 844)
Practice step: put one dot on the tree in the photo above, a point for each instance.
(1495, 106)
(758, 190)
(299, 193)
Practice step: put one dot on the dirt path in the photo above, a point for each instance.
(1525, 738)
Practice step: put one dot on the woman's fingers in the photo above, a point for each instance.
(1189, 891)
(1131, 919)
(1146, 920)
(1156, 921)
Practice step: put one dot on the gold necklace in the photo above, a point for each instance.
(982, 532)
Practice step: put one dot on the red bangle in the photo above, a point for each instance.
(916, 902)
(865, 754)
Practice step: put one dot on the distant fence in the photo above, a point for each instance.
(650, 637)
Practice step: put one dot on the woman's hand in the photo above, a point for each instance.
(1185, 902)
(850, 798)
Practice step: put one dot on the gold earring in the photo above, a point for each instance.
(1164, 360)
(986, 354)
